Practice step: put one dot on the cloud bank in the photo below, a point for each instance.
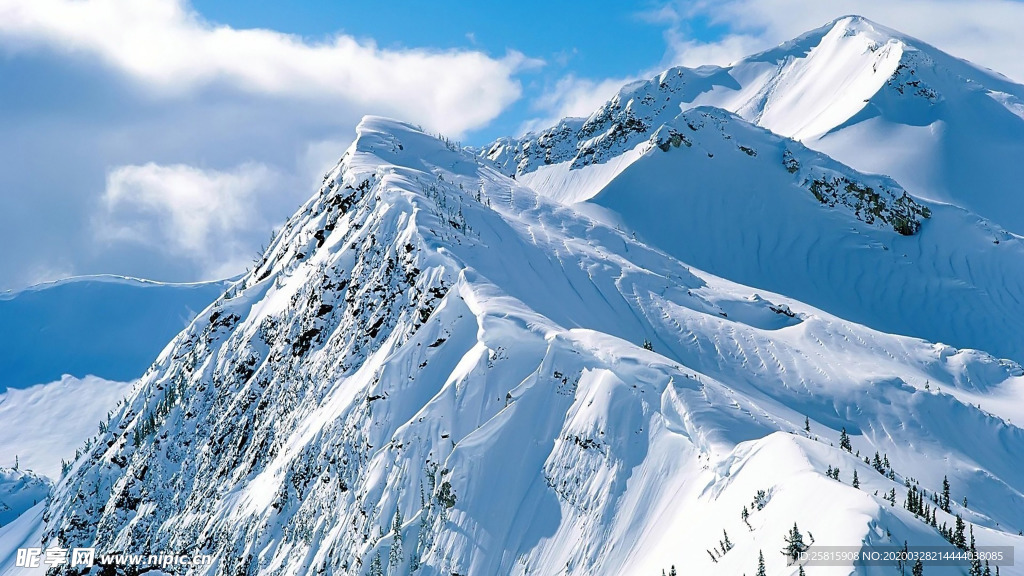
(171, 50)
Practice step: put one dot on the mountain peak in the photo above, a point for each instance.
(856, 23)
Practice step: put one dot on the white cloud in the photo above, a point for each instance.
(208, 216)
(171, 50)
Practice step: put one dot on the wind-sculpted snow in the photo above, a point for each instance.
(744, 204)
(435, 370)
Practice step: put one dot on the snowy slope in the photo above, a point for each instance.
(25, 531)
(436, 370)
(107, 326)
(44, 424)
(20, 490)
(742, 203)
(867, 95)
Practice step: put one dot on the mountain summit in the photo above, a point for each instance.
(872, 98)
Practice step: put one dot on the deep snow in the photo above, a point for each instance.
(435, 366)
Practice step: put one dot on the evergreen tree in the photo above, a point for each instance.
(801, 572)
(395, 558)
(975, 561)
(807, 424)
(901, 561)
(844, 441)
(795, 545)
(959, 539)
(376, 569)
(856, 481)
(672, 570)
(760, 564)
(918, 569)
(945, 493)
(726, 543)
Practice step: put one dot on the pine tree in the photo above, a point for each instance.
(375, 566)
(918, 569)
(959, 539)
(395, 557)
(844, 441)
(901, 561)
(726, 544)
(856, 481)
(16, 463)
(795, 545)
(807, 424)
(801, 572)
(975, 561)
(672, 570)
(945, 493)
(760, 564)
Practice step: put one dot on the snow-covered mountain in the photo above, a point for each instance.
(733, 200)
(438, 369)
(107, 326)
(869, 96)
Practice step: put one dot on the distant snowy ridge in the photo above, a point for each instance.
(19, 491)
(869, 96)
(107, 326)
(436, 370)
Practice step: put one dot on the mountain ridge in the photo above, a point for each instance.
(437, 370)
(880, 102)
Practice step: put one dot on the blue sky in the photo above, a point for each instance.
(167, 138)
